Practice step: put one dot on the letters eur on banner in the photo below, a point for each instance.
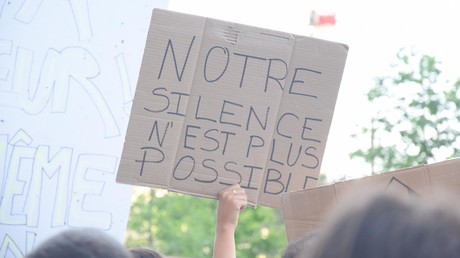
(219, 103)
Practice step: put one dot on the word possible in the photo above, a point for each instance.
(223, 124)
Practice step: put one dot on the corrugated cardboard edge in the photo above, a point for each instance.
(441, 178)
(323, 197)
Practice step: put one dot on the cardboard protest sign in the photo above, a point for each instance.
(219, 103)
(304, 210)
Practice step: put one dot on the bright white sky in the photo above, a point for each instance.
(374, 31)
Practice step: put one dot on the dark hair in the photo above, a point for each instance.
(385, 226)
(296, 247)
(80, 243)
(143, 252)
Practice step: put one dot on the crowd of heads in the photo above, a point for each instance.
(381, 225)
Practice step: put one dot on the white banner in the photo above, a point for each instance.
(68, 71)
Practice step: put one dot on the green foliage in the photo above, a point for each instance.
(183, 226)
(418, 117)
(260, 233)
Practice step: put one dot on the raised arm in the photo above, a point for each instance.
(232, 200)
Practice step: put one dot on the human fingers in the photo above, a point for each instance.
(236, 189)
(241, 198)
(234, 196)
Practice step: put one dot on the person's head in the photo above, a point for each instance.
(296, 247)
(385, 226)
(80, 243)
(142, 252)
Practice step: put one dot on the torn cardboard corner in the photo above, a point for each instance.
(219, 103)
(304, 210)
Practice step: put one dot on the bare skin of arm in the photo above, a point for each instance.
(232, 200)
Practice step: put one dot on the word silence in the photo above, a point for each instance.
(219, 103)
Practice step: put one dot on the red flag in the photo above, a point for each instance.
(321, 20)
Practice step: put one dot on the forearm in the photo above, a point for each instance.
(224, 243)
(232, 201)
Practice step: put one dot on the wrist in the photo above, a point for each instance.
(227, 228)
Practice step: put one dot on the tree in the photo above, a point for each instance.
(418, 117)
(183, 226)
